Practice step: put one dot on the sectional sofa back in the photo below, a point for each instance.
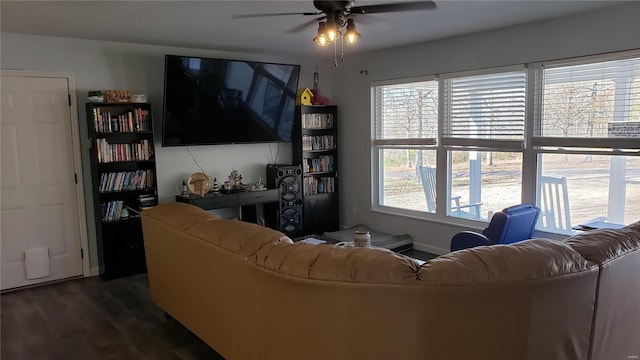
(616, 323)
(250, 293)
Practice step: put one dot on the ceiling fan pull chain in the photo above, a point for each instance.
(335, 54)
(341, 48)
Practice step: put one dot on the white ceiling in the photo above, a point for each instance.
(209, 24)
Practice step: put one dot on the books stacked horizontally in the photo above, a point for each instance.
(147, 201)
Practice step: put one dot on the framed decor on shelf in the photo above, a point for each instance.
(199, 183)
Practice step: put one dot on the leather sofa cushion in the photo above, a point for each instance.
(605, 245)
(237, 236)
(528, 260)
(178, 215)
(324, 262)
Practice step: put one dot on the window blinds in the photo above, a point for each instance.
(589, 100)
(485, 107)
(406, 114)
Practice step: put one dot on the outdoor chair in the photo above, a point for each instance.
(553, 200)
(513, 224)
(428, 178)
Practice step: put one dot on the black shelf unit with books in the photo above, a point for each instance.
(315, 149)
(123, 175)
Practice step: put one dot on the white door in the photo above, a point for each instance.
(40, 237)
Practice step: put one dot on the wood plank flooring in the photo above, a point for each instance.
(90, 318)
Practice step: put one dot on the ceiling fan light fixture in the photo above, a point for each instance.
(352, 35)
(321, 38)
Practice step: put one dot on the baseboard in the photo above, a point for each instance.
(430, 249)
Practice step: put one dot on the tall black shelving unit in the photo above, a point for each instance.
(315, 149)
(123, 174)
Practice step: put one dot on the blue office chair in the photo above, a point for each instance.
(513, 224)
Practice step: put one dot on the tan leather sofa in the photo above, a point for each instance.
(251, 294)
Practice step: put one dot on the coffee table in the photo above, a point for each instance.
(329, 241)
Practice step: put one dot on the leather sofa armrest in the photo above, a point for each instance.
(468, 239)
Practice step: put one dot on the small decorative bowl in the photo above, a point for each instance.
(96, 99)
(138, 98)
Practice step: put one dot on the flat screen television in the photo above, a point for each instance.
(218, 101)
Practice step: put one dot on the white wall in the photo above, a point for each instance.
(602, 31)
(100, 65)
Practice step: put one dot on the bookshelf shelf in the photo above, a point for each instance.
(124, 182)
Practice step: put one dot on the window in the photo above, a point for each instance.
(483, 182)
(564, 135)
(587, 100)
(587, 128)
(406, 128)
(484, 131)
(578, 188)
(484, 107)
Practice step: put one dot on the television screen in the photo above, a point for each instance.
(217, 101)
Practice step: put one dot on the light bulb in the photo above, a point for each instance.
(332, 30)
(321, 40)
(351, 35)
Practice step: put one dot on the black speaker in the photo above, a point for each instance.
(288, 212)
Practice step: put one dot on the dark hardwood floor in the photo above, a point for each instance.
(90, 318)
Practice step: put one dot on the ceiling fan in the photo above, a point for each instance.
(336, 17)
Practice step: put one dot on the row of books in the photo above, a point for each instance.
(140, 150)
(136, 120)
(320, 164)
(322, 142)
(112, 210)
(126, 180)
(321, 185)
(317, 121)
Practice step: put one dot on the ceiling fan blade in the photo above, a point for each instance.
(391, 7)
(244, 16)
(305, 25)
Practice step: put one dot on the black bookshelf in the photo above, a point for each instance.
(123, 174)
(315, 149)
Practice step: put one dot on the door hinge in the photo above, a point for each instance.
(81, 253)
(75, 175)
(69, 97)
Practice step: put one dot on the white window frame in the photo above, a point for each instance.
(377, 190)
(530, 147)
(443, 178)
(567, 145)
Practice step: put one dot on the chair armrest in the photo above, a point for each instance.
(475, 205)
(468, 239)
(456, 199)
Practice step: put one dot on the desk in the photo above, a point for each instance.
(245, 201)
